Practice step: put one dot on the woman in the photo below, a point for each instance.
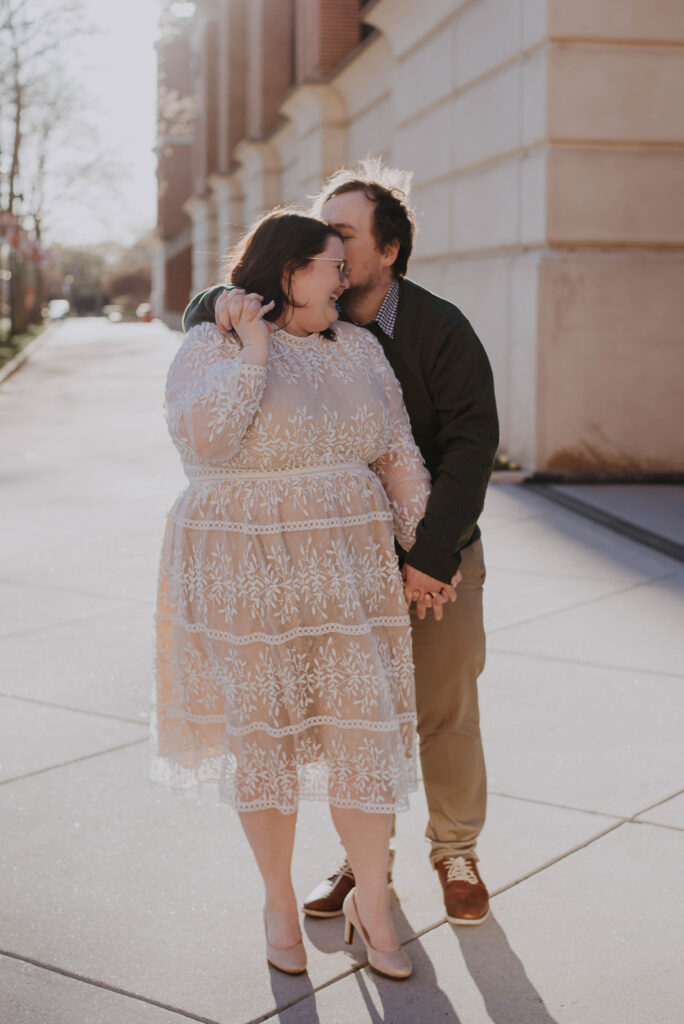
(284, 658)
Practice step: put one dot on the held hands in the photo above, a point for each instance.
(427, 592)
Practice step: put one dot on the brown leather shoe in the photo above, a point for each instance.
(465, 895)
(327, 898)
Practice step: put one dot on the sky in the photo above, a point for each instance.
(117, 70)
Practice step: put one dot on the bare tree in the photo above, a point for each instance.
(37, 100)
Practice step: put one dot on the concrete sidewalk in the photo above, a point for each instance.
(124, 904)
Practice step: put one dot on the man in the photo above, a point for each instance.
(449, 394)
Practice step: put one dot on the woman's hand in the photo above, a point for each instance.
(427, 592)
(247, 316)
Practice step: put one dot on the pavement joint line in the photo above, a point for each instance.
(562, 807)
(496, 892)
(556, 860)
(345, 974)
(610, 521)
(76, 760)
(80, 711)
(659, 824)
(307, 995)
(582, 604)
(604, 814)
(95, 983)
(9, 581)
(530, 874)
(658, 803)
(588, 664)
(581, 846)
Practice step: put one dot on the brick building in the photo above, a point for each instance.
(547, 143)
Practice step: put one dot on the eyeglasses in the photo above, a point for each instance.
(342, 265)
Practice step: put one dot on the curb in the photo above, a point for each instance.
(510, 476)
(18, 361)
(612, 522)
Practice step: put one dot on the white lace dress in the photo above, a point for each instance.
(284, 665)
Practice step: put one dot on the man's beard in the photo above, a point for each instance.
(356, 292)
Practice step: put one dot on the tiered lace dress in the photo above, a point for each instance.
(284, 665)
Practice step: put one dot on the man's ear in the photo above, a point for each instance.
(390, 253)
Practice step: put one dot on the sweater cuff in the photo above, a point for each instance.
(440, 561)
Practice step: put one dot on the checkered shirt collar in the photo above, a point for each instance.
(386, 316)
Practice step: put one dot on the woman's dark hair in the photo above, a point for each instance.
(388, 189)
(279, 244)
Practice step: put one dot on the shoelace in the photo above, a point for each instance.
(344, 869)
(460, 871)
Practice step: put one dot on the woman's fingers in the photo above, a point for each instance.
(235, 304)
(222, 311)
(267, 308)
(245, 307)
(425, 600)
(253, 310)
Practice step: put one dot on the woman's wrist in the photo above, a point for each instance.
(255, 353)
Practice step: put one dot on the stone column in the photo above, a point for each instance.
(270, 72)
(318, 117)
(228, 201)
(158, 279)
(205, 254)
(259, 178)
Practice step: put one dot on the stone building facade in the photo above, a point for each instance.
(546, 139)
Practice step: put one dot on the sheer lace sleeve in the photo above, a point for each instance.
(211, 395)
(401, 469)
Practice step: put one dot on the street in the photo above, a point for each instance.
(125, 904)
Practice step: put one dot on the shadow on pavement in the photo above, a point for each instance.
(496, 970)
(289, 989)
(385, 1000)
(500, 975)
(418, 998)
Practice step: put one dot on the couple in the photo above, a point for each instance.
(284, 664)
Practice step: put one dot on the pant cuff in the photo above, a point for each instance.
(440, 850)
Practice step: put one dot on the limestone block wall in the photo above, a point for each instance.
(468, 116)
(610, 340)
(547, 143)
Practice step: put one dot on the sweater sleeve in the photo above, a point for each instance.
(462, 391)
(400, 469)
(201, 308)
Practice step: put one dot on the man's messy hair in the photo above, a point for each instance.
(389, 189)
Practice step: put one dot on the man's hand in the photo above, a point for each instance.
(427, 592)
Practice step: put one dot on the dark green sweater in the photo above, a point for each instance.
(449, 394)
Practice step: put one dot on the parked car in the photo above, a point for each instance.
(58, 309)
(144, 312)
(114, 313)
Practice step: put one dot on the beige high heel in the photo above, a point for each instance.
(290, 959)
(393, 963)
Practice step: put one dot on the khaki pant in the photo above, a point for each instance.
(449, 656)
